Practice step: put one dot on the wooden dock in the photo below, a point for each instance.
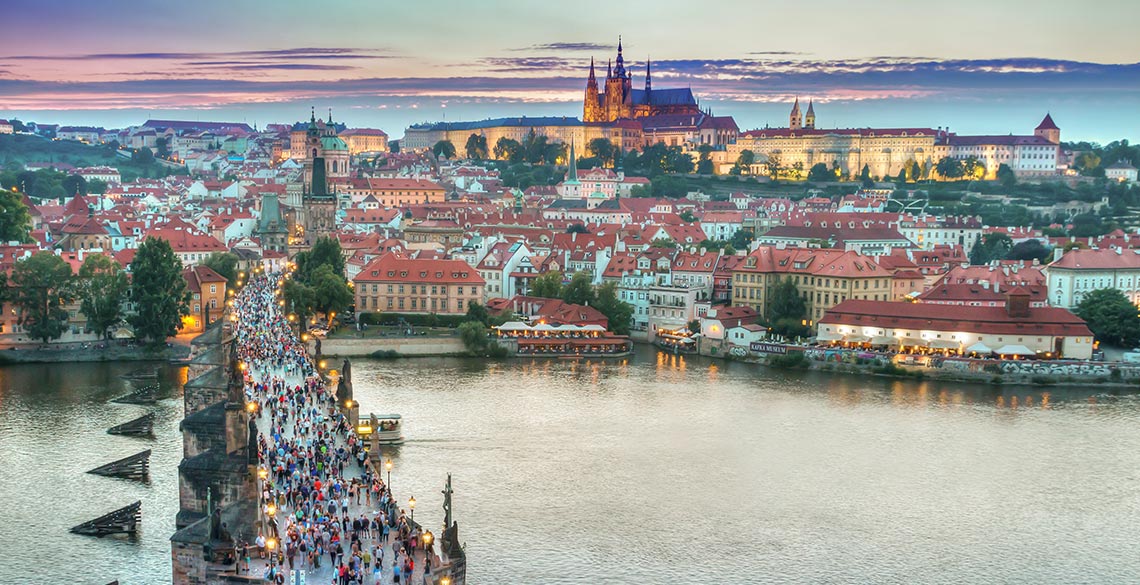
(125, 520)
(136, 466)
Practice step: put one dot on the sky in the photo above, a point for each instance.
(975, 66)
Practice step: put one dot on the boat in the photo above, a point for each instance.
(383, 429)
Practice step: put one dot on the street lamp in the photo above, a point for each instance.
(388, 466)
(445, 580)
(271, 509)
(262, 473)
(412, 507)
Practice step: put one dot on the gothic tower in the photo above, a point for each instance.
(809, 118)
(795, 122)
(592, 108)
(648, 79)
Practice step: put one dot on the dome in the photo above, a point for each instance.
(333, 143)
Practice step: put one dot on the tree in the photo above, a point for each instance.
(774, 167)
(577, 228)
(704, 162)
(797, 171)
(74, 185)
(744, 162)
(1006, 176)
(478, 342)
(992, 246)
(819, 173)
(476, 147)
(326, 251)
(142, 156)
(443, 149)
(507, 149)
(548, 285)
(225, 264)
(161, 146)
(619, 314)
(300, 298)
(742, 239)
(1028, 250)
(331, 293)
(102, 287)
(949, 168)
(687, 216)
(1111, 317)
(580, 290)
(865, 177)
(477, 312)
(15, 221)
(97, 186)
(602, 149)
(41, 288)
(978, 254)
(158, 291)
(786, 310)
(663, 243)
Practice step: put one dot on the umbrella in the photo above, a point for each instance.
(979, 347)
(1014, 350)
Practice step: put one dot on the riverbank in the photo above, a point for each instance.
(388, 347)
(92, 352)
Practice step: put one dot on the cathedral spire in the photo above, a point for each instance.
(619, 67)
(572, 172)
(592, 79)
(330, 117)
(313, 114)
(609, 69)
(648, 75)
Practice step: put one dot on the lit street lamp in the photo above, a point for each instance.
(412, 507)
(388, 466)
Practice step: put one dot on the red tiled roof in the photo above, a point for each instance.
(395, 269)
(1105, 259)
(930, 316)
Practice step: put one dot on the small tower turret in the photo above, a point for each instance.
(795, 121)
(1048, 130)
(809, 118)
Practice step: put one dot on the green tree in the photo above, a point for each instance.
(774, 167)
(326, 251)
(1028, 250)
(300, 299)
(1006, 176)
(619, 313)
(507, 149)
(331, 293)
(819, 173)
(97, 186)
(225, 264)
(15, 221)
(477, 312)
(158, 291)
(603, 150)
(102, 287)
(949, 168)
(744, 162)
(786, 310)
(476, 147)
(663, 243)
(978, 255)
(580, 290)
(162, 147)
(41, 287)
(704, 161)
(742, 239)
(687, 216)
(865, 177)
(142, 156)
(1111, 317)
(443, 149)
(548, 285)
(74, 185)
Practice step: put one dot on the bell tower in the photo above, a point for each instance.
(795, 121)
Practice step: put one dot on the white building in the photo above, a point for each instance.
(1121, 171)
(1080, 272)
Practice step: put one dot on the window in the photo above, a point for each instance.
(213, 288)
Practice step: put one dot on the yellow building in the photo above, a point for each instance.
(405, 285)
(365, 140)
(823, 277)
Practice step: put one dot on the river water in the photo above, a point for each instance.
(657, 470)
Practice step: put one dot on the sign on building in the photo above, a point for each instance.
(762, 347)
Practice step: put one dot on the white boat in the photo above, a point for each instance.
(384, 429)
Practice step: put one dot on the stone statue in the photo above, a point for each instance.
(447, 503)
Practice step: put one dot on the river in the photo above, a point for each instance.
(659, 470)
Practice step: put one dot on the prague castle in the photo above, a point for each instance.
(621, 101)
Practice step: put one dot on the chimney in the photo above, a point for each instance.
(1017, 303)
(1057, 253)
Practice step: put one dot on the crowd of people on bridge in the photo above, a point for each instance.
(315, 472)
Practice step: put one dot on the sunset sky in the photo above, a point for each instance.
(975, 66)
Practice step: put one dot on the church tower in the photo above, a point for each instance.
(648, 80)
(795, 122)
(592, 108)
(1048, 130)
(809, 118)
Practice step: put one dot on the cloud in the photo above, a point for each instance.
(779, 53)
(302, 53)
(567, 47)
(537, 64)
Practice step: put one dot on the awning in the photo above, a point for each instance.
(979, 347)
(943, 344)
(1014, 350)
(853, 338)
(823, 336)
(884, 340)
(910, 341)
